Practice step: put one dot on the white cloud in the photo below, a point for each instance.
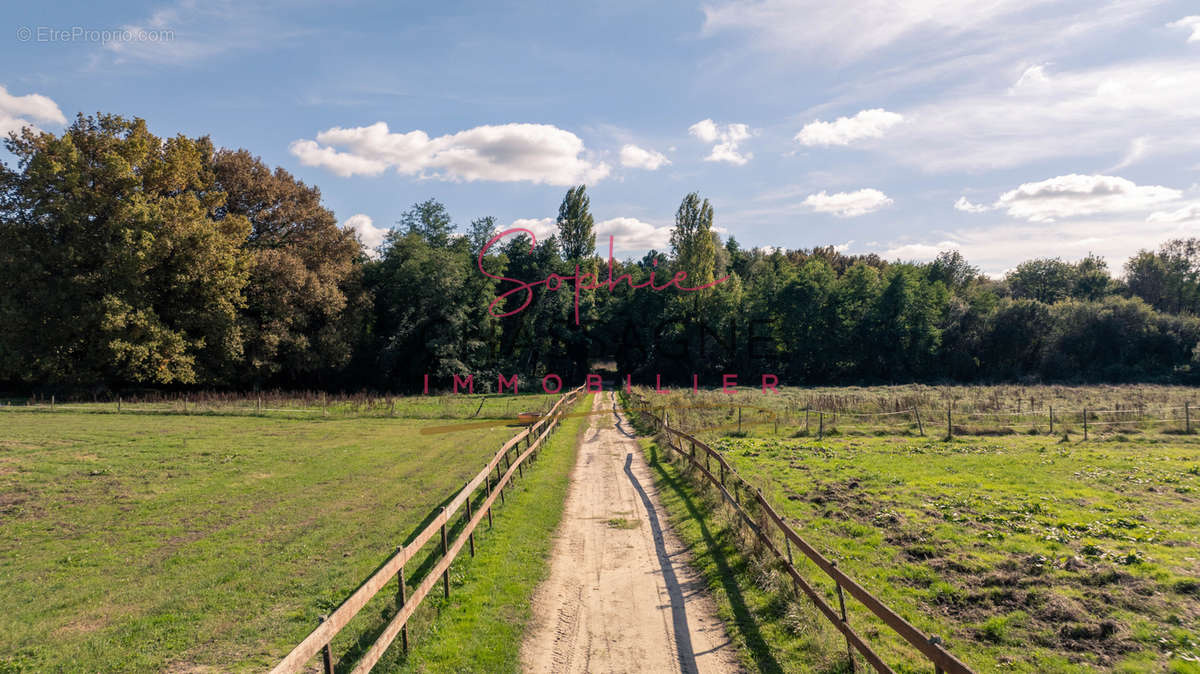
(538, 153)
(17, 112)
(705, 130)
(370, 235)
(1191, 23)
(848, 204)
(727, 140)
(1000, 248)
(963, 204)
(636, 157)
(1032, 78)
(845, 130)
(542, 228)
(1121, 111)
(1076, 195)
(1189, 213)
(631, 235)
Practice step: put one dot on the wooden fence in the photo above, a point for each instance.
(727, 479)
(319, 639)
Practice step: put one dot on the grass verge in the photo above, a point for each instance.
(775, 631)
(480, 628)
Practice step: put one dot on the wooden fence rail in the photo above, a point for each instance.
(318, 640)
(930, 647)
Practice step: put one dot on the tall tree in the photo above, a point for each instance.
(430, 220)
(114, 270)
(576, 230)
(1046, 280)
(692, 240)
(305, 300)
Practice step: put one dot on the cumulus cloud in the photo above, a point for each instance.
(1189, 213)
(965, 205)
(17, 112)
(631, 235)
(542, 228)
(1191, 23)
(370, 235)
(727, 140)
(848, 204)
(538, 153)
(845, 130)
(633, 156)
(1075, 195)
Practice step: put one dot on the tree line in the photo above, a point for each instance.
(133, 261)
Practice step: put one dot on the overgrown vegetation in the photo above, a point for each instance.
(1024, 553)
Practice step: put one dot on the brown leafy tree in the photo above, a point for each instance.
(305, 299)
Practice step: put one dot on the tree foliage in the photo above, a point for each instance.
(134, 260)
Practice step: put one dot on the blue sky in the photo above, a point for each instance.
(1007, 129)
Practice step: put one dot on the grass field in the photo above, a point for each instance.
(141, 542)
(1023, 552)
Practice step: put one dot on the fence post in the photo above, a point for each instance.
(1052, 420)
(470, 536)
(401, 597)
(1085, 415)
(326, 653)
(489, 510)
(920, 427)
(1187, 418)
(739, 419)
(821, 427)
(935, 640)
(445, 549)
(949, 421)
(807, 408)
(118, 404)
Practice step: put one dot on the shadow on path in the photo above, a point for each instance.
(683, 638)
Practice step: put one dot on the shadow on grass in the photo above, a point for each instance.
(718, 545)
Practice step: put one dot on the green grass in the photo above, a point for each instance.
(773, 630)
(481, 627)
(169, 542)
(1023, 552)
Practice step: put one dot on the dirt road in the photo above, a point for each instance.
(620, 596)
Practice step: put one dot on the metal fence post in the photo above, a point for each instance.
(842, 605)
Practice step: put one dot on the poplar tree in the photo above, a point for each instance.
(577, 233)
(692, 240)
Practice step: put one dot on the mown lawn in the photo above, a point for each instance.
(147, 542)
(1025, 553)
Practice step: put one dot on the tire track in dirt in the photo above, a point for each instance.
(621, 596)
